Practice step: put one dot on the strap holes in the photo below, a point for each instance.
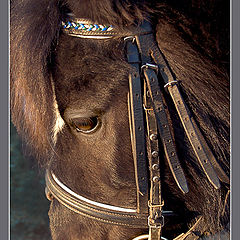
(155, 179)
(153, 136)
(177, 167)
(135, 75)
(139, 128)
(137, 95)
(169, 140)
(186, 119)
(199, 147)
(192, 134)
(179, 102)
(148, 93)
(172, 153)
(152, 79)
(157, 92)
(155, 154)
(141, 153)
(155, 166)
(164, 125)
(205, 161)
(160, 109)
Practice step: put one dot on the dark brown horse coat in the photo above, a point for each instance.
(56, 77)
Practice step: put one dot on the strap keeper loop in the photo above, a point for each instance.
(155, 205)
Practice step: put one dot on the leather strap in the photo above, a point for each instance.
(164, 129)
(91, 209)
(137, 128)
(155, 203)
(194, 232)
(86, 208)
(202, 151)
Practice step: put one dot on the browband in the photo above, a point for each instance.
(83, 28)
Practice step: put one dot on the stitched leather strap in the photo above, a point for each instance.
(164, 129)
(91, 209)
(203, 153)
(194, 232)
(155, 220)
(132, 219)
(137, 128)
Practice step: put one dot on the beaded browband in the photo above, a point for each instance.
(83, 28)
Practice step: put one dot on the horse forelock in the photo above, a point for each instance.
(33, 31)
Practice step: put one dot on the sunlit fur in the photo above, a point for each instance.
(59, 122)
(53, 75)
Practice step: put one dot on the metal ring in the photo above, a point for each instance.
(129, 38)
(48, 194)
(170, 83)
(146, 108)
(149, 65)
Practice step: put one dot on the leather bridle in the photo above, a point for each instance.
(148, 125)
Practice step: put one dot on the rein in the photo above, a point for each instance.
(148, 125)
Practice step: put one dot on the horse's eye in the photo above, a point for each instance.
(85, 125)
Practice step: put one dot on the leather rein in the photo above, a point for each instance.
(148, 125)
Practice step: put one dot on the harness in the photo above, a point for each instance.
(148, 125)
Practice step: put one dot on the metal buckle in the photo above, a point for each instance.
(149, 65)
(171, 83)
(129, 38)
(156, 223)
(146, 108)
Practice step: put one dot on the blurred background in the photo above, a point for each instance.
(28, 204)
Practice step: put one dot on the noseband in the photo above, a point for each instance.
(148, 125)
